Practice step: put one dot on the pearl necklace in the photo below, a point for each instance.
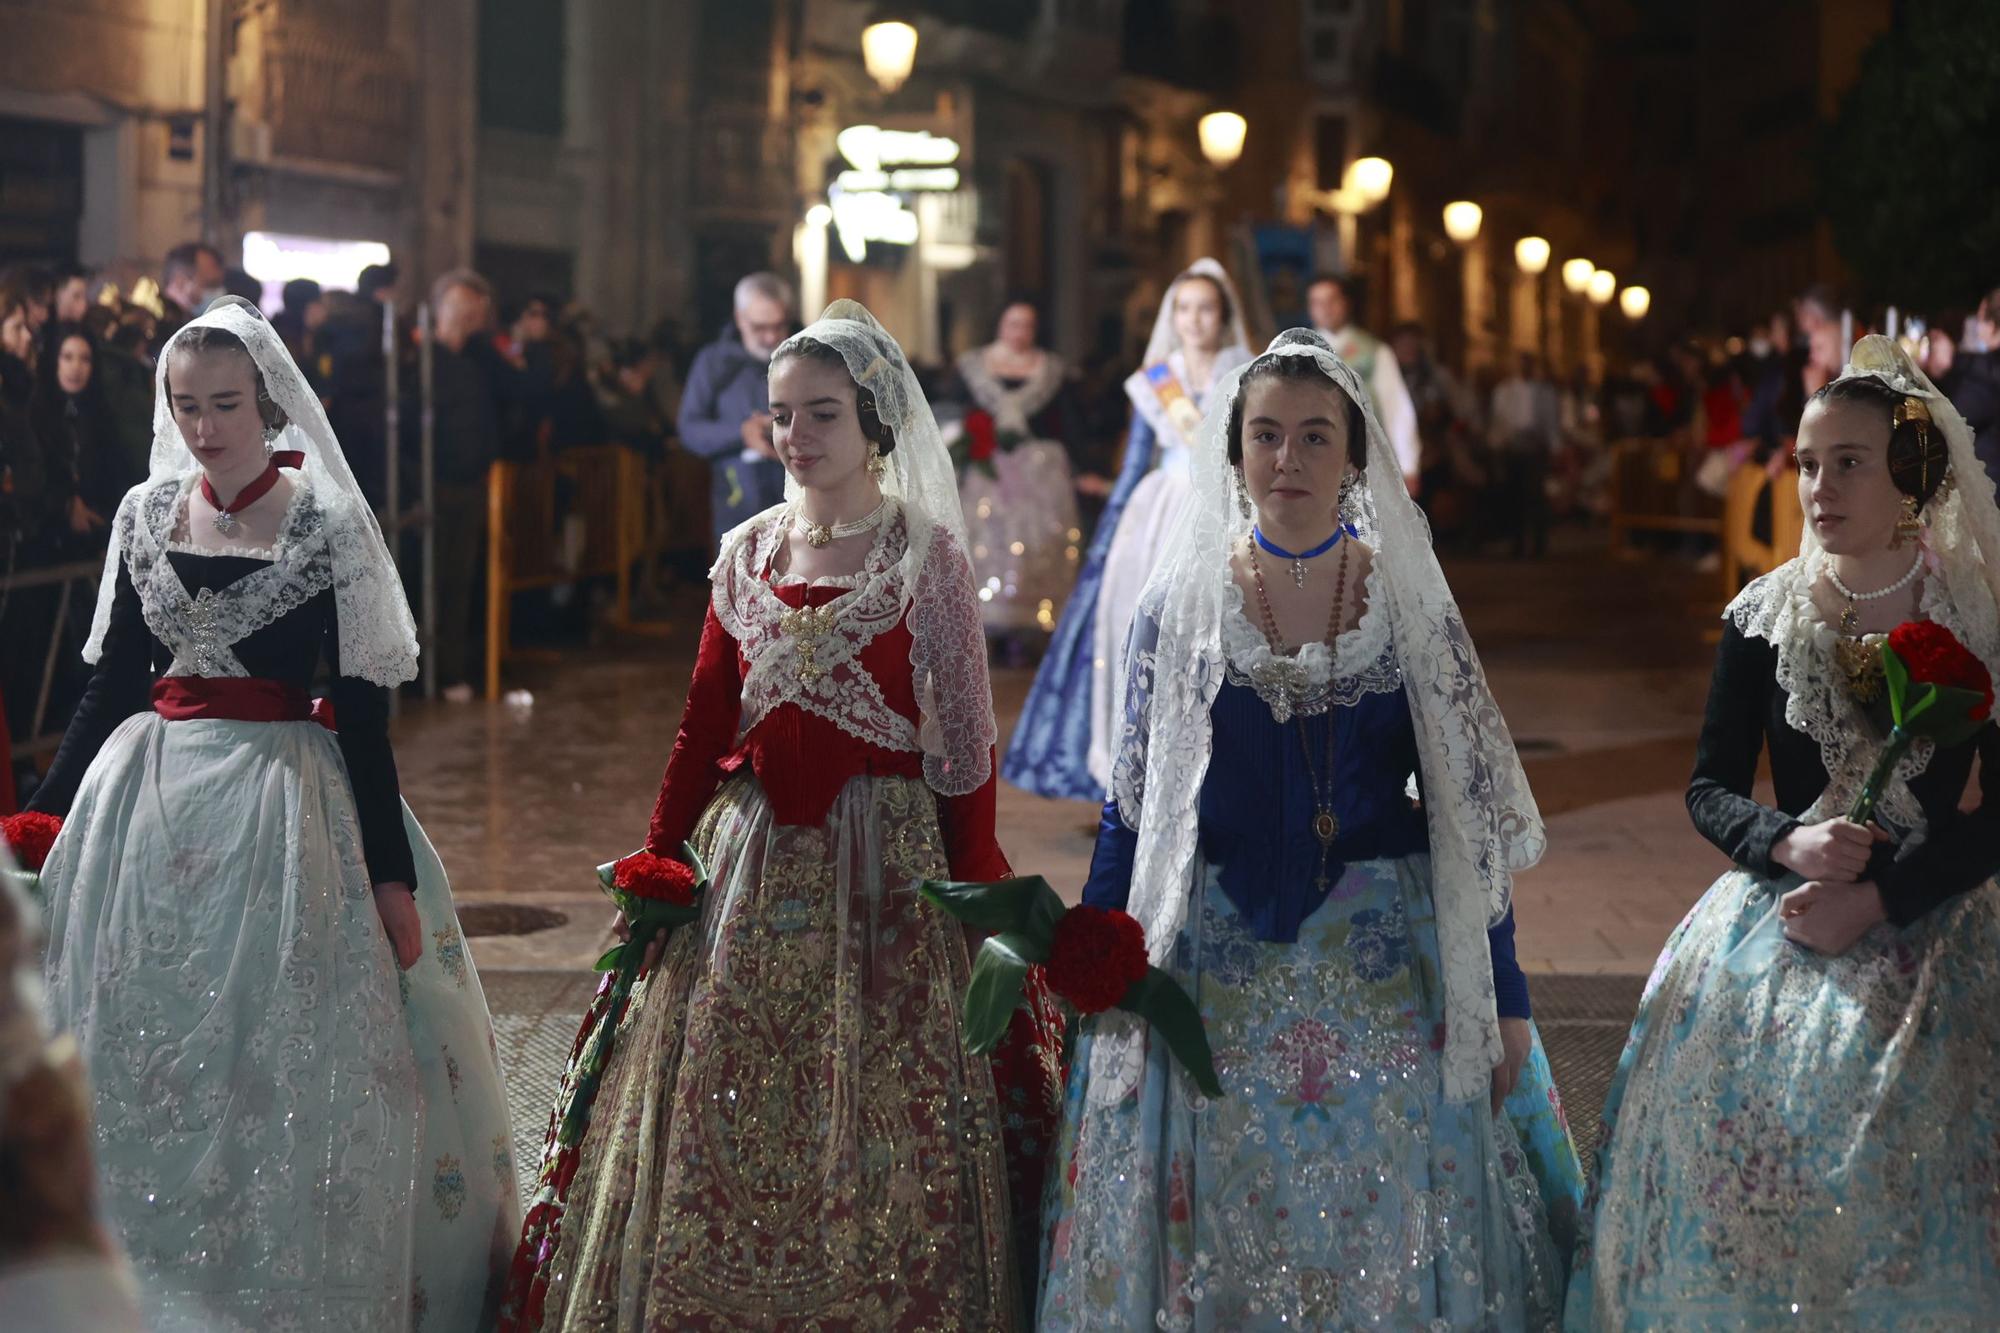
(825, 534)
(1851, 617)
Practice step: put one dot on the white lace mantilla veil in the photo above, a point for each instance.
(378, 637)
(1961, 543)
(1482, 819)
(1164, 342)
(930, 582)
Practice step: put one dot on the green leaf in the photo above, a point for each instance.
(998, 972)
(1950, 721)
(1026, 905)
(1921, 706)
(1896, 680)
(696, 864)
(1159, 999)
(609, 959)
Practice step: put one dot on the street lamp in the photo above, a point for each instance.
(1532, 254)
(1461, 221)
(1603, 286)
(1369, 179)
(1576, 275)
(889, 50)
(1635, 302)
(1222, 138)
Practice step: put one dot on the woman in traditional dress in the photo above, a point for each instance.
(790, 1133)
(1804, 1129)
(1019, 499)
(1062, 746)
(300, 1118)
(1292, 675)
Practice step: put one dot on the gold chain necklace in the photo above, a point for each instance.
(1326, 824)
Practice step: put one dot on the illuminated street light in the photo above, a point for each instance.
(890, 52)
(1532, 254)
(1461, 221)
(1635, 302)
(1576, 275)
(1222, 138)
(1603, 286)
(1368, 178)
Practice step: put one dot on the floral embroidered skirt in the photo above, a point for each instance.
(1333, 1186)
(1022, 523)
(291, 1131)
(790, 1133)
(1801, 1141)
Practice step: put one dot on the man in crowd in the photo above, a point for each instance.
(1330, 299)
(191, 277)
(1526, 426)
(724, 410)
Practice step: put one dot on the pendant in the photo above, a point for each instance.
(818, 534)
(1326, 827)
(225, 522)
(1299, 573)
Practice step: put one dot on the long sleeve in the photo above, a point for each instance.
(361, 714)
(118, 689)
(967, 822)
(708, 729)
(1140, 445)
(1962, 852)
(1110, 882)
(702, 430)
(1732, 734)
(1510, 984)
(1398, 414)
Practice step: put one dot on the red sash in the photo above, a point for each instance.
(237, 699)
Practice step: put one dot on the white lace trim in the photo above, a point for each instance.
(1359, 661)
(1011, 408)
(814, 664)
(1779, 608)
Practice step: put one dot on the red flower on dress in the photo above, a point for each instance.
(29, 835)
(1933, 655)
(981, 435)
(1096, 955)
(647, 875)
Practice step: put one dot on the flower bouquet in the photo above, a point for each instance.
(29, 835)
(975, 441)
(1933, 688)
(654, 893)
(1093, 957)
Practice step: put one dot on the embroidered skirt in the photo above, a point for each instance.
(790, 1133)
(1333, 1186)
(1022, 525)
(1801, 1141)
(292, 1132)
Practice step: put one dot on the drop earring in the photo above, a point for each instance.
(878, 466)
(1909, 527)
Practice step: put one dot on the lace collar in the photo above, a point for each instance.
(1318, 675)
(1011, 408)
(1779, 608)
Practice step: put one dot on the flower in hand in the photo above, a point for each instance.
(654, 877)
(1830, 918)
(1095, 956)
(1836, 850)
(1933, 655)
(29, 836)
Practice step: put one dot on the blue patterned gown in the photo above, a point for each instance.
(1793, 1139)
(1333, 1186)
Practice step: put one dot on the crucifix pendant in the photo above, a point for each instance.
(1299, 573)
(1326, 827)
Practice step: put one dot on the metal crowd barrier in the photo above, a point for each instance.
(68, 577)
(1651, 492)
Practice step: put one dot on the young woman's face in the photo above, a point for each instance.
(73, 364)
(1295, 452)
(815, 424)
(17, 335)
(1845, 488)
(1198, 314)
(214, 400)
(1018, 325)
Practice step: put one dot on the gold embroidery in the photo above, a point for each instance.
(808, 625)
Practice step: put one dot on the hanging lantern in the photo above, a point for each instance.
(1461, 221)
(1222, 134)
(889, 50)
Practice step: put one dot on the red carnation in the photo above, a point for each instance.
(647, 875)
(29, 836)
(1096, 955)
(1933, 655)
(983, 436)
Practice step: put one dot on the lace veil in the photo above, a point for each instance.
(378, 637)
(929, 581)
(1961, 545)
(1164, 342)
(1483, 822)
